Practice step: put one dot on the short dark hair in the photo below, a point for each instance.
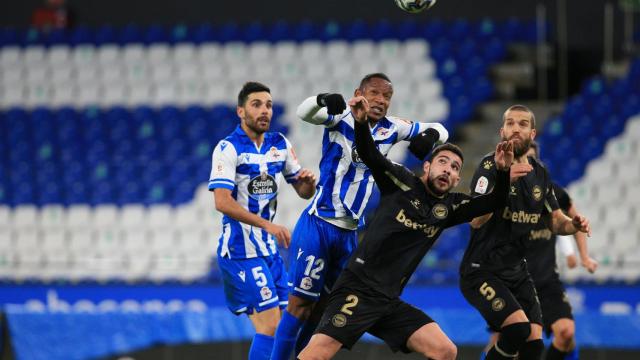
(249, 88)
(368, 78)
(447, 146)
(522, 108)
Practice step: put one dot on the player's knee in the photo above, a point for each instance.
(513, 336)
(447, 351)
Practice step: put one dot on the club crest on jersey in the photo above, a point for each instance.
(265, 293)
(306, 283)
(440, 211)
(219, 168)
(274, 153)
(263, 187)
(487, 164)
(355, 159)
(339, 320)
(497, 304)
(537, 193)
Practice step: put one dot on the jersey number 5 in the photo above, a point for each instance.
(259, 276)
(487, 291)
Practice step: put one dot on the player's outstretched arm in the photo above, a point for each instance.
(320, 109)
(226, 204)
(305, 184)
(561, 224)
(581, 242)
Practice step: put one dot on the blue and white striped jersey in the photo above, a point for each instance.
(254, 176)
(346, 183)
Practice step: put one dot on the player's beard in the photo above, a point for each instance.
(520, 147)
(255, 126)
(431, 184)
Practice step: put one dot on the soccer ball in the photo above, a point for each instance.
(414, 6)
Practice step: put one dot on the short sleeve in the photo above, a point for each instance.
(291, 167)
(484, 179)
(550, 201)
(223, 166)
(406, 129)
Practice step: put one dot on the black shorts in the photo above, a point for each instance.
(554, 303)
(498, 295)
(352, 311)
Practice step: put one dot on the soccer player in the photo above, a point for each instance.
(247, 168)
(416, 209)
(325, 234)
(541, 263)
(494, 277)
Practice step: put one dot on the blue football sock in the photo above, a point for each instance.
(573, 355)
(261, 347)
(305, 335)
(483, 355)
(286, 337)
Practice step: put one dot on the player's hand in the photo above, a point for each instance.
(581, 223)
(359, 108)
(590, 264)
(333, 102)
(503, 155)
(572, 262)
(280, 232)
(306, 176)
(519, 170)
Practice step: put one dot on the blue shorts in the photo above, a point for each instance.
(317, 254)
(255, 284)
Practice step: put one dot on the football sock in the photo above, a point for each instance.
(305, 335)
(531, 350)
(261, 347)
(512, 337)
(286, 335)
(554, 354)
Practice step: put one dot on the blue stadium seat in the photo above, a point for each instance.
(356, 30)
(130, 34)
(130, 193)
(105, 34)
(253, 32)
(56, 37)
(332, 30)
(155, 34)
(460, 29)
(280, 31)
(76, 193)
(407, 29)
(180, 33)
(382, 30)
(203, 33)
(495, 50)
(228, 32)
(9, 37)
(433, 30)
(305, 30)
(485, 29)
(81, 35)
(101, 193)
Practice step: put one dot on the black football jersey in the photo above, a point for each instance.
(541, 254)
(408, 220)
(502, 241)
